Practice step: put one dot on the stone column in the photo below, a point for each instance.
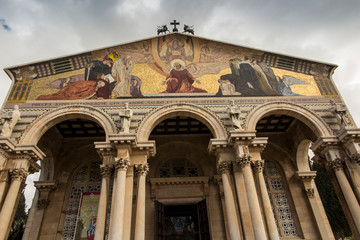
(6, 147)
(9, 207)
(217, 179)
(103, 201)
(245, 163)
(117, 213)
(315, 202)
(269, 215)
(234, 231)
(337, 165)
(141, 170)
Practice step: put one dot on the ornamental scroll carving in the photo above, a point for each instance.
(244, 160)
(142, 169)
(18, 174)
(224, 167)
(258, 165)
(105, 170)
(336, 164)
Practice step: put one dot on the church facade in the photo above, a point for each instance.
(177, 137)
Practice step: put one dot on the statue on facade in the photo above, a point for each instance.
(10, 120)
(339, 112)
(125, 119)
(234, 112)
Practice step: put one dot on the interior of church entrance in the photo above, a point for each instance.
(181, 197)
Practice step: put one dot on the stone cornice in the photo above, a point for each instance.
(349, 134)
(179, 181)
(324, 143)
(45, 185)
(306, 175)
(217, 144)
(241, 136)
(122, 139)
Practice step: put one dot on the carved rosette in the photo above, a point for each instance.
(224, 167)
(310, 192)
(258, 165)
(122, 164)
(105, 170)
(336, 164)
(18, 174)
(244, 160)
(142, 169)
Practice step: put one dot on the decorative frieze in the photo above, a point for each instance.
(122, 164)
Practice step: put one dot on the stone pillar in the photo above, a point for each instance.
(269, 215)
(129, 199)
(244, 160)
(217, 179)
(234, 231)
(337, 165)
(9, 207)
(103, 201)
(141, 170)
(6, 147)
(117, 213)
(315, 202)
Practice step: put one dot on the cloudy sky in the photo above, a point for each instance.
(322, 30)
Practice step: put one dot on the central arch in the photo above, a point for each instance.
(188, 110)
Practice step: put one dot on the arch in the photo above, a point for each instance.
(44, 122)
(302, 158)
(307, 116)
(173, 110)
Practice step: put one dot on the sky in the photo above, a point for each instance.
(321, 30)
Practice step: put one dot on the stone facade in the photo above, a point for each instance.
(238, 182)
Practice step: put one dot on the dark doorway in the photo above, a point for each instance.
(182, 222)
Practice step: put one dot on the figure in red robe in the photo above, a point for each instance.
(180, 80)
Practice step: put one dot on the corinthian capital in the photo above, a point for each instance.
(122, 163)
(356, 157)
(336, 164)
(142, 169)
(244, 160)
(258, 165)
(105, 170)
(224, 167)
(18, 174)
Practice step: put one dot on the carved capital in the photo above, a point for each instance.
(105, 170)
(142, 169)
(336, 164)
(258, 165)
(42, 203)
(244, 160)
(18, 174)
(310, 192)
(224, 167)
(122, 164)
(356, 158)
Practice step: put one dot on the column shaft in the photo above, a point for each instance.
(128, 203)
(117, 215)
(269, 215)
(103, 203)
(10, 203)
(256, 217)
(234, 230)
(142, 170)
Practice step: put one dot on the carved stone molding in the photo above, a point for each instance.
(18, 174)
(105, 170)
(258, 165)
(142, 169)
(122, 164)
(310, 192)
(244, 160)
(336, 164)
(224, 167)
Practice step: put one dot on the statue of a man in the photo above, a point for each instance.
(234, 112)
(339, 113)
(11, 119)
(125, 119)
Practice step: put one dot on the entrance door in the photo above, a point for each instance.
(182, 222)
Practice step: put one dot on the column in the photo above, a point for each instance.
(117, 213)
(231, 213)
(256, 217)
(337, 166)
(315, 202)
(9, 207)
(4, 176)
(217, 179)
(269, 215)
(141, 170)
(129, 199)
(105, 171)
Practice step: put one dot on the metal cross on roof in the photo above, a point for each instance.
(175, 23)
